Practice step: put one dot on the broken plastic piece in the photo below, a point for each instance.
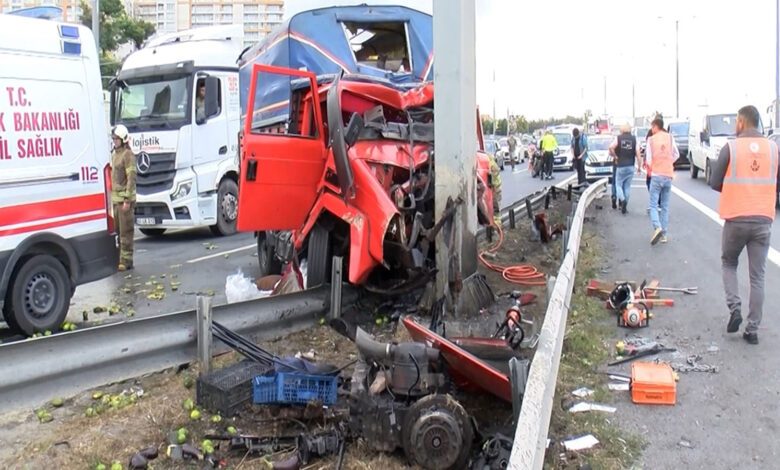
(582, 392)
(585, 406)
(579, 443)
(618, 386)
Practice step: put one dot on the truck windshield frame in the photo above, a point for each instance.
(156, 103)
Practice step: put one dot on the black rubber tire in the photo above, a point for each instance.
(227, 195)
(45, 277)
(694, 170)
(318, 257)
(707, 172)
(152, 232)
(266, 256)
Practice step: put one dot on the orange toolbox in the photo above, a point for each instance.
(653, 384)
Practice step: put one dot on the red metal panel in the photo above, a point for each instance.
(468, 366)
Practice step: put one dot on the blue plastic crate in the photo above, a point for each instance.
(293, 388)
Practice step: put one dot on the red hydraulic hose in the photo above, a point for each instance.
(523, 274)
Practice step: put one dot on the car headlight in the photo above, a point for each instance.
(182, 190)
(556, 151)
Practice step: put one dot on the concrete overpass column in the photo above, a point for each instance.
(456, 135)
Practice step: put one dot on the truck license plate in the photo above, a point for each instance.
(145, 221)
(603, 170)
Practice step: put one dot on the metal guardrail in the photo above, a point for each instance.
(530, 440)
(36, 370)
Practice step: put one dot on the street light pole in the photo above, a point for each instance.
(96, 24)
(677, 63)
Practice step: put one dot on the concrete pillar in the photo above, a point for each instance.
(456, 132)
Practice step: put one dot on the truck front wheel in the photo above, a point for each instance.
(266, 255)
(39, 296)
(227, 208)
(318, 257)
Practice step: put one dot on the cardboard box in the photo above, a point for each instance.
(653, 384)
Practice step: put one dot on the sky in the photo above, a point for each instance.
(553, 57)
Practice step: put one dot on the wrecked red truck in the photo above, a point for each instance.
(337, 147)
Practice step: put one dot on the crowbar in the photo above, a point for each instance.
(684, 290)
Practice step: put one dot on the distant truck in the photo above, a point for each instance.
(186, 146)
(56, 224)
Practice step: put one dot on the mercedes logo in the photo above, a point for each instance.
(143, 163)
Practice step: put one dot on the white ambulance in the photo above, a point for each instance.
(56, 226)
(186, 145)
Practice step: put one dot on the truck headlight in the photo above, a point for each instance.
(182, 190)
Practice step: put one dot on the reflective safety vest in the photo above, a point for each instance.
(549, 143)
(662, 150)
(750, 183)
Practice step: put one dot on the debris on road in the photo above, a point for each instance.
(582, 407)
(693, 364)
(619, 386)
(580, 443)
(582, 392)
(239, 288)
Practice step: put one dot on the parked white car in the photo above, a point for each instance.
(598, 161)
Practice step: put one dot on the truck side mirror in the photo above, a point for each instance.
(211, 102)
(705, 138)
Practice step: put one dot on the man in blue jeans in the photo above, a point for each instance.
(661, 154)
(625, 151)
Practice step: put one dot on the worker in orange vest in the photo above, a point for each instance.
(660, 154)
(746, 174)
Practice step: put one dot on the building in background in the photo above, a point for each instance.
(258, 17)
(71, 9)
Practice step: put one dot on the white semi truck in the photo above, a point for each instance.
(179, 98)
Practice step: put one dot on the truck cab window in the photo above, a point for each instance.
(201, 114)
(382, 46)
(153, 102)
(286, 110)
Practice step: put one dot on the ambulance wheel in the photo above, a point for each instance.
(152, 232)
(39, 296)
(227, 208)
(266, 256)
(694, 170)
(318, 257)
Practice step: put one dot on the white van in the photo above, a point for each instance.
(56, 226)
(186, 148)
(705, 139)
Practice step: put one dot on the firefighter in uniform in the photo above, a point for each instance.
(123, 173)
(746, 174)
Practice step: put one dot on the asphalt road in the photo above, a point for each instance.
(519, 183)
(724, 420)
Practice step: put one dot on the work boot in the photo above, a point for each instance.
(614, 202)
(124, 267)
(623, 207)
(657, 233)
(751, 338)
(734, 321)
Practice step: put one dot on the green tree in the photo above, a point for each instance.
(501, 127)
(487, 126)
(116, 26)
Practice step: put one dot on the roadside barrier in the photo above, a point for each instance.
(530, 440)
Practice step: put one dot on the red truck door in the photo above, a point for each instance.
(283, 150)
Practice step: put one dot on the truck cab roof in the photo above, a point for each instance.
(213, 47)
